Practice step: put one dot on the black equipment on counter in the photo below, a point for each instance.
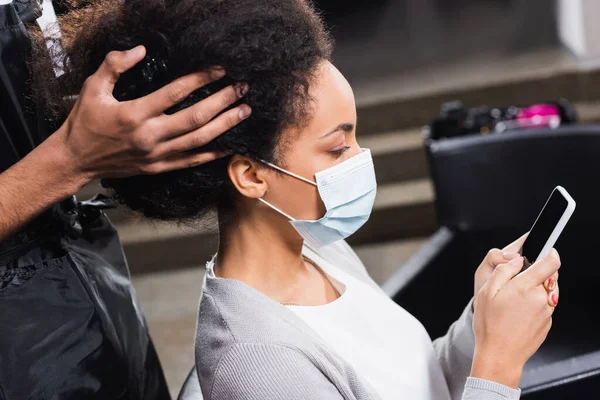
(455, 120)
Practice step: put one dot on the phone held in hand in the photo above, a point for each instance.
(548, 226)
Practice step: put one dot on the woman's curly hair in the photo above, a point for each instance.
(272, 45)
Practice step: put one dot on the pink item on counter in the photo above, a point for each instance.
(539, 115)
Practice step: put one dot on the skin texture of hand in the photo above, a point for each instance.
(497, 257)
(494, 258)
(512, 319)
(105, 138)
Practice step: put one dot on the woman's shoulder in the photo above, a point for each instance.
(270, 371)
(243, 313)
(233, 313)
(241, 331)
(237, 321)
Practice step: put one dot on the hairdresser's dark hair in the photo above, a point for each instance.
(273, 45)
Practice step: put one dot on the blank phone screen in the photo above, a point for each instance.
(543, 227)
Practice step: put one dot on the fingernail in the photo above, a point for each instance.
(510, 256)
(550, 284)
(555, 299)
(555, 254)
(517, 261)
(241, 89)
(217, 73)
(245, 111)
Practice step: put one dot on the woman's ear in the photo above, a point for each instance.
(246, 175)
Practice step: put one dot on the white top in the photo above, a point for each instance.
(387, 346)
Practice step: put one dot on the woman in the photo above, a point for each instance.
(287, 309)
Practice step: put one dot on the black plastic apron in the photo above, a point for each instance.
(70, 323)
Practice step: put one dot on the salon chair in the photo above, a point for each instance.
(489, 190)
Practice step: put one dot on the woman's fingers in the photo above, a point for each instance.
(515, 247)
(502, 274)
(200, 137)
(551, 286)
(539, 272)
(553, 296)
(551, 282)
(169, 95)
(201, 113)
(496, 257)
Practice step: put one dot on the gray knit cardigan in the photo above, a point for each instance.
(249, 347)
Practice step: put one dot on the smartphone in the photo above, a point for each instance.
(548, 226)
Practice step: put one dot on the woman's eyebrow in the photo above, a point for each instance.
(346, 127)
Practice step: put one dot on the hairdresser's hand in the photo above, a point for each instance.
(512, 319)
(107, 138)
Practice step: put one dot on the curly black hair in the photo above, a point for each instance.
(274, 46)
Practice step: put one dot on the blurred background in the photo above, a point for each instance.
(406, 60)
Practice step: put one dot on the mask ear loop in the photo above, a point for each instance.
(288, 172)
(276, 209)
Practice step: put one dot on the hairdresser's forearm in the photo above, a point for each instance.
(43, 177)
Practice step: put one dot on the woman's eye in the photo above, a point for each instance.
(338, 153)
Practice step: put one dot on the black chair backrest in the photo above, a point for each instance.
(489, 190)
(503, 180)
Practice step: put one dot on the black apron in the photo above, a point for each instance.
(70, 323)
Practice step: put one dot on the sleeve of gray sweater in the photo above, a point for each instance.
(277, 372)
(455, 354)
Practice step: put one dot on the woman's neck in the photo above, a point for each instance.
(267, 256)
(255, 253)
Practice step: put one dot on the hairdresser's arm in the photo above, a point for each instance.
(106, 138)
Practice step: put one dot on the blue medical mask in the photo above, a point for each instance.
(348, 191)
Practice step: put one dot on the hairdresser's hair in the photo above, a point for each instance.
(273, 45)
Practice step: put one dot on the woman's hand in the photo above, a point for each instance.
(494, 258)
(512, 319)
(103, 137)
(497, 257)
